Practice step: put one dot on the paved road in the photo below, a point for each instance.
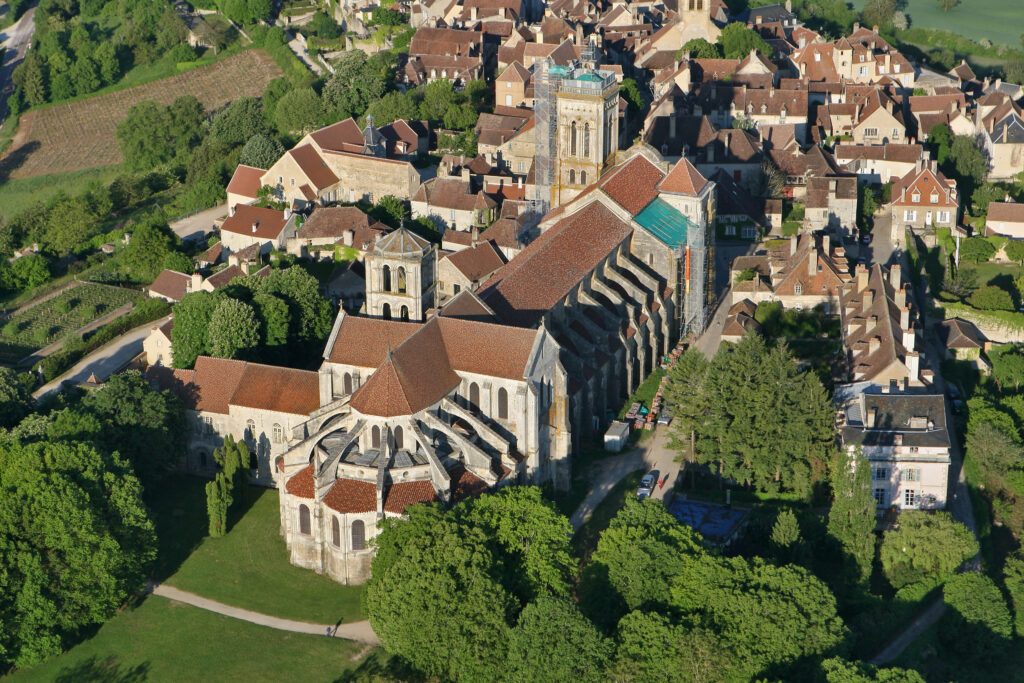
(197, 225)
(358, 630)
(17, 38)
(104, 361)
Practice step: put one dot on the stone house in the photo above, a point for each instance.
(831, 203)
(244, 186)
(880, 164)
(809, 271)
(452, 204)
(466, 269)
(511, 87)
(172, 286)
(740, 321)
(252, 225)
(922, 201)
(158, 345)
(961, 339)
(1005, 219)
(1002, 138)
(330, 227)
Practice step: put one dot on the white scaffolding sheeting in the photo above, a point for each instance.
(545, 113)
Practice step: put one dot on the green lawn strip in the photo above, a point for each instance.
(585, 540)
(163, 640)
(249, 568)
(19, 194)
(644, 394)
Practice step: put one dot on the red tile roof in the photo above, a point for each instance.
(313, 165)
(246, 181)
(684, 178)
(302, 483)
(343, 136)
(282, 390)
(171, 284)
(402, 495)
(214, 383)
(1011, 212)
(633, 185)
(269, 223)
(364, 342)
(477, 263)
(352, 495)
(466, 484)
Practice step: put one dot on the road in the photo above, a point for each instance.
(17, 38)
(104, 361)
(196, 226)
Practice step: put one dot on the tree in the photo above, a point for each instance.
(260, 151)
(247, 11)
(227, 489)
(240, 121)
(151, 243)
(637, 557)
(785, 531)
(851, 519)
(438, 96)
(969, 163)
(554, 642)
(1015, 250)
(218, 500)
(233, 328)
(976, 249)
(1013, 579)
(151, 135)
(879, 12)
(991, 298)
(940, 139)
(686, 393)
(356, 83)
(978, 625)
(190, 336)
(392, 107)
(699, 48)
(323, 26)
(77, 542)
(391, 210)
(1008, 367)
(86, 76)
(383, 16)
(311, 314)
(651, 649)
(30, 271)
(737, 41)
(838, 670)
(15, 398)
(69, 226)
(630, 91)
(108, 62)
(300, 111)
(963, 282)
(947, 5)
(925, 547)
(421, 564)
(460, 117)
(274, 318)
(32, 76)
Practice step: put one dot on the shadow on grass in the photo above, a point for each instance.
(380, 666)
(178, 506)
(105, 670)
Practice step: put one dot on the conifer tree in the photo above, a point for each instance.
(851, 521)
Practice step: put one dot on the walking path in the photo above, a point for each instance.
(360, 631)
(196, 226)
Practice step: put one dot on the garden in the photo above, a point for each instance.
(77, 307)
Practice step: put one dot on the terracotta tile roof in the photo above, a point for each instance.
(465, 484)
(332, 222)
(343, 136)
(515, 72)
(525, 288)
(364, 342)
(633, 185)
(282, 390)
(313, 166)
(224, 276)
(269, 223)
(925, 182)
(351, 496)
(1006, 211)
(171, 284)
(302, 483)
(246, 181)
(403, 494)
(214, 382)
(890, 152)
(477, 263)
(467, 306)
(444, 41)
(211, 255)
(684, 178)
(452, 193)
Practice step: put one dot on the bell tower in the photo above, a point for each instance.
(401, 277)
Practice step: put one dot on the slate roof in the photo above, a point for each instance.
(894, 413)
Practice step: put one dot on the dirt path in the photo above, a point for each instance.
(360, 631)
(922, 623)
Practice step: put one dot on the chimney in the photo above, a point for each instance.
(792, 245)
(914, 366)
(231, 211)
(872, 418)
(905, 318)
(466, 175)
(874, 29)
(672, 127)
(873, 345)
(901, 297)
(348, 237)
(474, 236)
(909, 338)
(897, 439)
(856, 26)
(196, 283)
(579, 35)
(869, 299)
(472, 13)
(255, 225)
(812, 262)
(826, 245)
(895, 276)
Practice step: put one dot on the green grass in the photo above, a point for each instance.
(585, 540)
(996, 20)
(249, 566)
(18, 194)
(47, 322)
(166, 641)
(644, 394)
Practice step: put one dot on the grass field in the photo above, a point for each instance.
(18, 194)
(166, 641)
(47, 322)
(997, 20)
(249, 566)
(78, 135)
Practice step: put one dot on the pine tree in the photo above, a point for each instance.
(851, 521)
(218, 499)
(786, 530)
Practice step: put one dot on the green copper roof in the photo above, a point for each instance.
(661, 220)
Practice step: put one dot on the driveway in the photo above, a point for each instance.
(17, 38)
(198, 225)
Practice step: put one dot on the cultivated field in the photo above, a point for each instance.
(997, 20)
(47, 322)
(81, 135)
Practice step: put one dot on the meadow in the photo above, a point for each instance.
(996, 20)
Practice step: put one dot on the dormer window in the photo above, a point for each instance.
(935, 197)
(916, 197)
(817, 56)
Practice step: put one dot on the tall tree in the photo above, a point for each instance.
(737, 41)
(1013, 579)
(651, 649)
(851, 519)
(978, 625)
(311, 314)
(15, 398)
(190, 336)
(300, 111)
(926, 546)
(686, 393)
(260, 151)
(233, 329)
(239, 121)
(553, 643)
(353, 86)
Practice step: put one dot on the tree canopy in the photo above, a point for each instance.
(553, 642)
(737, 41)
(926, 546)
(851, 519)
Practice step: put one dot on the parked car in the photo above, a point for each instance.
(647, 484)
(665, 418)
(865, 238)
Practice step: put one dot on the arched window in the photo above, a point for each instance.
(385, 278)
(304, 520)
(399, 438)
(583, 177)
(572, 139)
(278, 433)
(401, 279)
(375, 437)
(586, 140)
(348, 383)
(358, 535)
(474, 396)
(404, 314)
(335, 532)
(572, 176)
(250, 430)
(204, 459)
(502, 404)
(385, 311)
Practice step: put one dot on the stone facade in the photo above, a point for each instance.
(401, 273)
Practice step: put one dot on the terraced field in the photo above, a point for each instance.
(49, 321)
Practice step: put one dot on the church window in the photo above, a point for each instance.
(335, 532)
(278, 433)
(572, 139)
(399, 437)
(583, 177)
(348, 383)
(474, 396)
(502, 404)
(385, 311)
(385, 278)
(405, 313)
(572, 176)
(204, 459)
(375, 437)
(304, 526)
(250, 430)
(358, 535)
(401, 280)
(586, 140)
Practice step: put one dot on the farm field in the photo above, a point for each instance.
(74, 136)
(19, 194)
(47, 322)
(997, 20)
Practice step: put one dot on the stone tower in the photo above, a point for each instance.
(401, 276)
(587, 103)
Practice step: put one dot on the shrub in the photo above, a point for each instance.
(978, 625)
(991, 298)
(926, 546)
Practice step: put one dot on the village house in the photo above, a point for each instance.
(252, 225)
(1005, 219)
(809, 271)
(333, 228)
(879, 164)
(512, 87)
(467, 269)
(158, 345)
(448, 54)
(831, 202)
(962, 340)
(452, 204)
(245, 184)
(922, 201)
(740, 321)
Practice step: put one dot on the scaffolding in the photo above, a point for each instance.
(696, 280)
(545, 131)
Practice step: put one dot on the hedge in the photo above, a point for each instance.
(55, 365)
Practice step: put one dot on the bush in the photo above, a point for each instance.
(991, 298)
(926, 546)
(978, 625)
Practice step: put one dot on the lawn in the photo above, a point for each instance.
(249, 566)
(163, 640)
(996, 20)
(18, 194)
(644, 394)
(585, 540)
(75, 308)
